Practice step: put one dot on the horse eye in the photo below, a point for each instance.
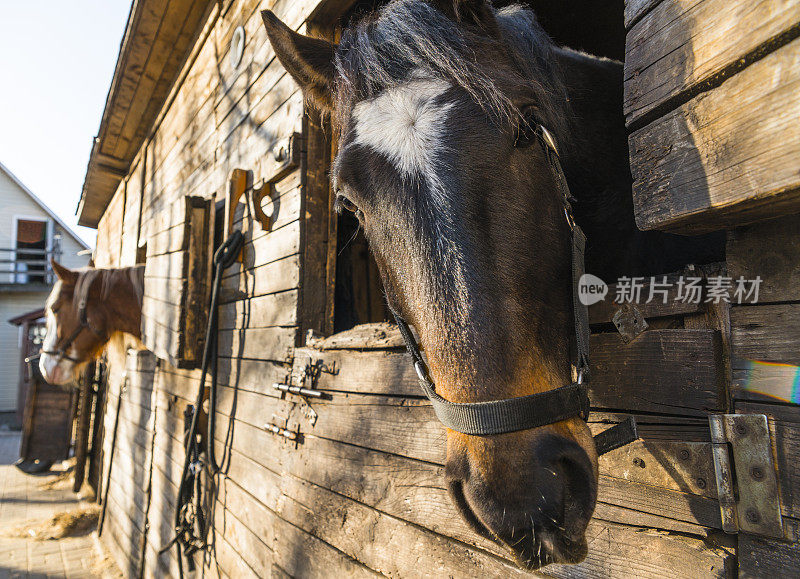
(526, 129)
(343, 202)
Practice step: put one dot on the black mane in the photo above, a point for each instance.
(407, 37)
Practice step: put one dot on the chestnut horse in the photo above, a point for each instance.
(85, 308)
(431, 101)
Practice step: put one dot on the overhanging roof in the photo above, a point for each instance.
(158, 37)
(28, 317)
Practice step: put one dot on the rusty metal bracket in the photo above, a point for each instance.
(238, 184)
(629, 322)
(284, 158)
(747, 481)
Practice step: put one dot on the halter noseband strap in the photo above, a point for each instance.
(543, 408)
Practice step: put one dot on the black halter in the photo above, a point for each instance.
(543, 408)
(61, 350)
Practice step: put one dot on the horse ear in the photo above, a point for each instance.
(472, 12)
(310, 61)
(65, 274)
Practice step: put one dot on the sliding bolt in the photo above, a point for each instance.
(298, 390)
(275, 429)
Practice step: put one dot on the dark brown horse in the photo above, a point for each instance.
(84, 310)
(430, 100)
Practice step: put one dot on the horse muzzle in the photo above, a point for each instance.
(537, 506)
(55, 370)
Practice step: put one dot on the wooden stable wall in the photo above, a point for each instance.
(217, 118)
(711, 104)
(770, 332)
(361, 492)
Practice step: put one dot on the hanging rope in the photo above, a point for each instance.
(191, 519)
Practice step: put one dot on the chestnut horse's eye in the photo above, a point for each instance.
(343, 202)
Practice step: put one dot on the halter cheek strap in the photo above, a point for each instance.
(61, 351)
(543, 408)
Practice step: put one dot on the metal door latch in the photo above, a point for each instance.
(747, 481)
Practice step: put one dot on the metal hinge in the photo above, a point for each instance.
(747, 481)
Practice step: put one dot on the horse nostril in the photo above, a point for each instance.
(571, 470)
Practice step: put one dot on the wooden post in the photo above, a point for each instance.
(84, 421)
(98, 432)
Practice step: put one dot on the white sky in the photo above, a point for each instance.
(56, 63)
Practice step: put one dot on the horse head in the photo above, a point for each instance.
(433, 106)
(84, 309)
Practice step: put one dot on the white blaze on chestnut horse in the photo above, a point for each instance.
(432, 103)
(85, 309)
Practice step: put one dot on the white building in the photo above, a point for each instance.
(30, 233)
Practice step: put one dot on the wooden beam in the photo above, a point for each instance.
(682, 44)
(727, 157)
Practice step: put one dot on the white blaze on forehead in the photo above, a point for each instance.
(51, 336)
(405, 124)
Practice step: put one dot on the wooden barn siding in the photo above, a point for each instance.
(383, 453)
(710, 100)
(710, 91)
(218, 120)
(212, 127)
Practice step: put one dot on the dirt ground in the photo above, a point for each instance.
(46, 530)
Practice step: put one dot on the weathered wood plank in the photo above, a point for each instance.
(766, 333)
(168, 315)
(168, 241)
(374, 372)
(651, 303)
(271, 247)
(376, 336)
(682, 43)
(682, 506)
(764, 382)
(160, 340)
(373, 422)
(257, 343)
(319, 231)
(169, 265)
(669, 371)
(245, 472)
(770, 251)
(164, 290)
(277, 309)
(672, 371)
(762, 557)
(273, 277)
(720, 159)
(635, 9)
(194, 310)
(389, 545)
(620, 551)
(678, 466)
